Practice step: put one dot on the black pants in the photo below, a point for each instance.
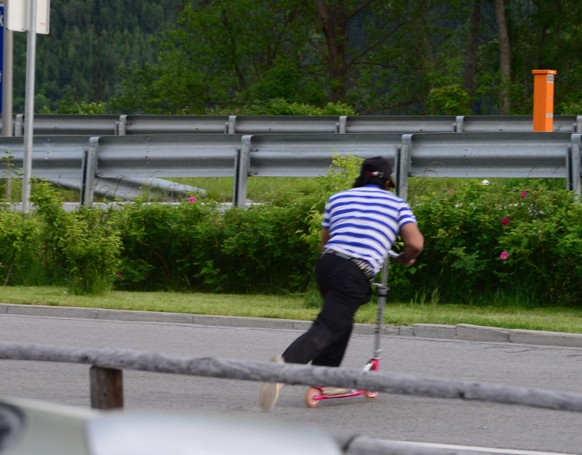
(344, 288)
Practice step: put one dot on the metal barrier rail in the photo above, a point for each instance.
(107, 365)
(98, 125)
(60, 160)
(401, 384)
(91, 160)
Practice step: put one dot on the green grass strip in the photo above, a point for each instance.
(295, 307)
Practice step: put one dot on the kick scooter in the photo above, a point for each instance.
(316, 394)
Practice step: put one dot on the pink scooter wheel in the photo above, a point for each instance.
(310, 395)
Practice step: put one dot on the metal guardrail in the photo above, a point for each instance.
(60, 160)
(517, 155)
(107, 365)
(91, 161)
(99, 125)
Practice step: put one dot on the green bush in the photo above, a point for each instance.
(169, 246)
(84, 246)
(19, 247)
(461, 229)
(201, 247)
(498, 243)
(503, 242)
(263, 248)
(543, 242)
(279, 106)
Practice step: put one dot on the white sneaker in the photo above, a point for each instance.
(269, 393)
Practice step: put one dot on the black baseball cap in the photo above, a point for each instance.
(377, 167)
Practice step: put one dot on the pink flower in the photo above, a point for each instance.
(504, 220)
(523, 194)
(504, 255)
(192, 199)
(119, 275)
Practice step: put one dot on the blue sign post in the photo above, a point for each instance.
(1, 55)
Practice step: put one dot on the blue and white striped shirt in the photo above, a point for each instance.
(364, 222)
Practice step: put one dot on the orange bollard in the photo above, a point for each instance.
(543, 106)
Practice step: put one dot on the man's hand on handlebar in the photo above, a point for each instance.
(402, 259)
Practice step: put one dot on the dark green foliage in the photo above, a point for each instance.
(19, 241)
(89, 42)
(499, 242)
(167, 246)
(544, 240)
(201, 247)
(461, 229)
(266, 245)
(397, 57)
(84, 246)
(272, 248)
(225, 53)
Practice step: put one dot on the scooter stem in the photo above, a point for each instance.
(383, 290)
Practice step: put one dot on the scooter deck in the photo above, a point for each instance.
(316, 394)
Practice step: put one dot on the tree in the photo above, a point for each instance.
(334, 23)
(423, 54)
(547, 34)
(504, 56)
(237, 56)
(225, 53)
(471, 53)
(89, 41)
(355, 34)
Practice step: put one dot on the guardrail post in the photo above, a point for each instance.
(341, 126)
(121, 129)
(106, 388)
(574, 170)
(578, 124)
(231, 125)
(459, 124)
(89, 171)
(242, 169)
(19, 125)
(403, 165)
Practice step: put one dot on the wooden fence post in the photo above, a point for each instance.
(106, 388)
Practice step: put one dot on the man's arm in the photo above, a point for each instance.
(413, 244)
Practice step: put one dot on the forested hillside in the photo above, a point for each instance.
(296, 56)
(89, 41)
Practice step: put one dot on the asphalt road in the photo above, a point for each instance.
(392, 417)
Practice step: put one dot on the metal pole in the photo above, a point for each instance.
(29, 105)
(7, 78)
(7, 97)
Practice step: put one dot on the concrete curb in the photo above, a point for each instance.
(149, 316)
(493, 334)
(465, 332)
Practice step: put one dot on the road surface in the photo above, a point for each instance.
(392, 417)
